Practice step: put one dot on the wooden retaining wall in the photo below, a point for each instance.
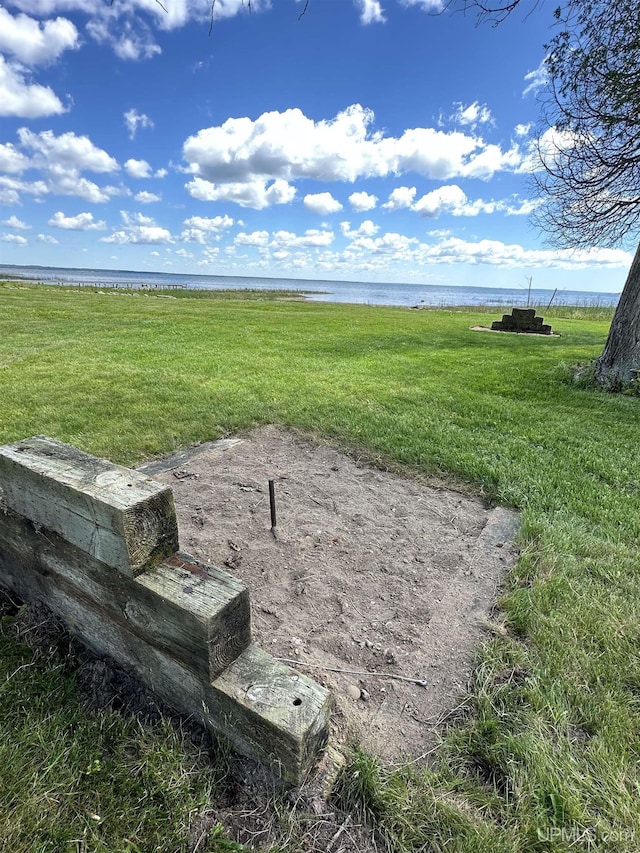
(98, 543)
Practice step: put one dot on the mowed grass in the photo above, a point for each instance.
(546, 754)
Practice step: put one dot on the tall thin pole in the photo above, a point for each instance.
(272, 504)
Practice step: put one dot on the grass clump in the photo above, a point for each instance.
(546, 755)
(73, 780)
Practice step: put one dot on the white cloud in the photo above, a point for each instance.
(426, 5)
(69, 182)
(522, 129)
(140, 235)
(209, 255)
(12, 160)
(392, 250)
(136, 218)
(127, 26)
(521, 208)
(365, 229)
(392, 244)
(400, 197)
(550, 145)
(9, 197)
(194, 235)
(321, 203)
(554, 142)
(471, 115)
(256, 194)
(176, 14)
(145, 197)
(451, 199)
(312, 238)
(17, 239)
(256, 238)
(67, 151)
(161, 173)
(138, 168)
(61, 160)
(138, 230)
(35, 42)
(242, 154)
(494, 252)
(133, 46)
(362, 201)
(10, 189)
(20, 98)
(215, 224)
(130, 39)
(536, 79)
(81, 222)
(47, 238)
(441, 200)
(370, 11)
(135, 120)
(14, 222)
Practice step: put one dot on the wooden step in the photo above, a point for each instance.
(98, 544)
(121, 517)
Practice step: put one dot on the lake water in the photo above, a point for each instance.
(363, 293)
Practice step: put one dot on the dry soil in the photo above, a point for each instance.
(375, 584)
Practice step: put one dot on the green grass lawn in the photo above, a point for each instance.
(547, 755)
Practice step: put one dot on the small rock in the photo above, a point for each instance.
(353, 692)
(365, 695)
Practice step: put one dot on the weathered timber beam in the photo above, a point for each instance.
(199, 616)
(278, 715)
(265, 709)
(217, 615)
(97, 544)
(119, 516)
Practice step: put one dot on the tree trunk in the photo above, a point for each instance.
(619, 364)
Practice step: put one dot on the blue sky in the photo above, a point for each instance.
(371, 140)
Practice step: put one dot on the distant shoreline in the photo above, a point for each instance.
(357, 293)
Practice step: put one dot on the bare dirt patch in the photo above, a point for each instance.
(375, 585)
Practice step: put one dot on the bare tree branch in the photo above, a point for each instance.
(304, 11)
(213, 6)
(590, 160)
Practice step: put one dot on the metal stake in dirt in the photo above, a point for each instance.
(272, 504)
